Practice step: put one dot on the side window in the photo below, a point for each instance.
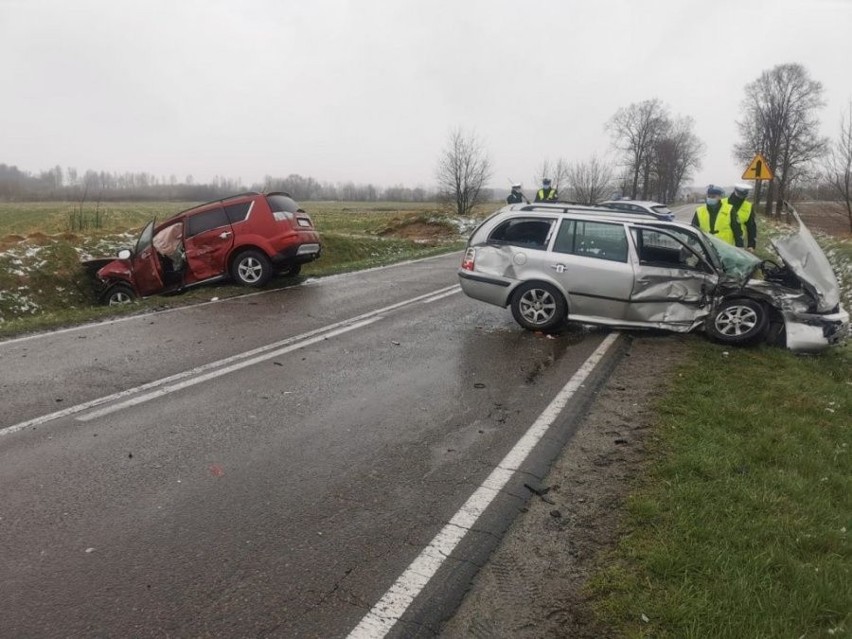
(592, 239)
(201, 222)
(660, 249)
(565, 237)
(237, 212)
(523, 232)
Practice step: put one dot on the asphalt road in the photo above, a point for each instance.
(684, 212)
(267, 466)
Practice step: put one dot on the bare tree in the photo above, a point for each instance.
(676, 155)
(635, 131)
(591, 182)
(463, 170)
(779, 121)
(840, 163)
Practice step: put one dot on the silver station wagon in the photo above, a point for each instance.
(556, 262)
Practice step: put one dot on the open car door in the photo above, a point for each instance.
(674, 280)
(208, 238)
(145, 263)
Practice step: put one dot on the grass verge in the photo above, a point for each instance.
(740, 528)
(75, 303)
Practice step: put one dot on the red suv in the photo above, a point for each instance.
(247, 237)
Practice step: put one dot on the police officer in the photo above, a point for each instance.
(742, 211)
(715, 217)
(546, 193)
(516, 196)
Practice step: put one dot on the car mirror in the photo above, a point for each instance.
(124, 254)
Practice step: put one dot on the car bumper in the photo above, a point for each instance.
(810, 333)
(298, 254)
(492, 290)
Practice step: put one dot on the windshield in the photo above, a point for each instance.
(145, 238)
(735, 261)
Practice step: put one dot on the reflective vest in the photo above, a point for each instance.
(743, 216)
(723, 222)
(546, 194)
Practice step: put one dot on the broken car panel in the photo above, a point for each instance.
(560, 262)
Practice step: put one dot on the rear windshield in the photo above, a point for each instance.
(281, 202)
(662, 210)
(531, 233)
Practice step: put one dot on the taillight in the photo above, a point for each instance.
(469, 259)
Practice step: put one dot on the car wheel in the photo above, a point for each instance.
(251, 268)
(538, 306)
(738, 321)
(118, 295)
(292, 271)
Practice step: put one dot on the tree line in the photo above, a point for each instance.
(58, 184)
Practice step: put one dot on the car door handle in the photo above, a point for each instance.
(225, 235)
(559, 268)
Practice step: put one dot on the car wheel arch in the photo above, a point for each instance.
(539, 280)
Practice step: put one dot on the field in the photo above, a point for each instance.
(827, 217)
(42, 283)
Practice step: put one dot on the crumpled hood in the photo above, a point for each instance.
(805, 258)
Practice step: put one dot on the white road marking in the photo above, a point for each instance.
(441, 296)
(165, 390)
(229, 363)
(127, 318)
(390, 608)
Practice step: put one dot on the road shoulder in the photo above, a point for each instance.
(532, 585)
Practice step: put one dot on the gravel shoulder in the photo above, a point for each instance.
(533, 584)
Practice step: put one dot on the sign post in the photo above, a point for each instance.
(758, 171)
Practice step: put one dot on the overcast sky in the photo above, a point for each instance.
(368, 91)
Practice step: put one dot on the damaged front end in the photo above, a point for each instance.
(105, 272)
(801, 327)
(805, 291)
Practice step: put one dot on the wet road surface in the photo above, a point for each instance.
(289, 455)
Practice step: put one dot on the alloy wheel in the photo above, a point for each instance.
(736, 320)
(537, 306)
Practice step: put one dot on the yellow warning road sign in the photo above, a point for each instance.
(758, 169)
